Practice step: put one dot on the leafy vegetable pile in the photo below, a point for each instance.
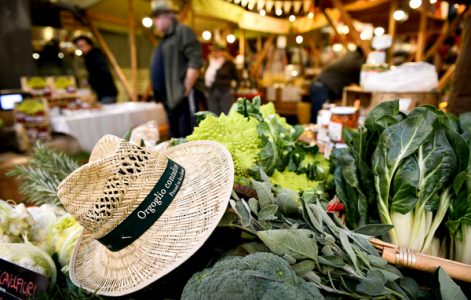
(318, 246)
(411, 171)
(43, 231)
(258, 138)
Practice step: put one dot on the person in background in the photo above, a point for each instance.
(175, 68)
(99, 74)
(328, 86)
(219, 77)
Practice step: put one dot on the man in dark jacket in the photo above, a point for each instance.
(175, 68)
(331, 81)
(99, 75)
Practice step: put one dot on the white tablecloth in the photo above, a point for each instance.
(89, 126)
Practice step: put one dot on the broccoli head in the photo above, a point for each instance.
(256, 276)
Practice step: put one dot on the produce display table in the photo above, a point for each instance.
(88, 126)
(369, 99)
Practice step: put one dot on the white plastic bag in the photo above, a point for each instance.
(408, 77)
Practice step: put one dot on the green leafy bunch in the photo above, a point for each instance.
(40, 178)
(399, 169)
(319, 248)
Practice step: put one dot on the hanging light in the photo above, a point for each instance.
(230, 38)
(400, 15)
(292, 18)
(433, 1)
(60, 55)
(343, 29)
(414, 4)
(379, 31)
(147, 22)
(278, 12)
(263, 13)
(78, 52)
(310, 15)
(206, 35)
(36, 55)
(337, 47)
(351, 46)
(299, 39)
(365, 35)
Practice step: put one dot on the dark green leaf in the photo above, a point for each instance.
(387, 108)
(405, 186)
(287, 201)
(331, 261)
(348, 248)
(449, 290)
(374, 229)
(465, 121)
(264, 193)
(458, 182)
(372, 284)
(377, 261)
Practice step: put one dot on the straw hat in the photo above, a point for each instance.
(116, 196)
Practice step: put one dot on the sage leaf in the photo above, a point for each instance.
(374, 229)
(298, 243)
(253, 204)
(348, 249)
(449, 290)
(372, 284)
(268, 213)
(265, 196)
(303, 266)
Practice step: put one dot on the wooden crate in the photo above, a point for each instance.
(369, 100)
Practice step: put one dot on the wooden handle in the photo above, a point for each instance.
(427, 263)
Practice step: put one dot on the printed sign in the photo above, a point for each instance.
(19, 283)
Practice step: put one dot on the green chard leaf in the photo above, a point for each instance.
(385, 111)
(405, 186)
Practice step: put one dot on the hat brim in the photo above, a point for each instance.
(176, 236)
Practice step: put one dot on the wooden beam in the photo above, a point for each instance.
(347, 19)
(315, 51)
(95, 16)
(445, 79)
(422, 35)
(447, 30)
(261, 56)
(104, 46)
(183, 14)
(334, 27)
(363, 5)
(132, 49)
(392, 27)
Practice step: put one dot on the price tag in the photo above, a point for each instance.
(19, 283)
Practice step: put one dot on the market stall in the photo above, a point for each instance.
(370, 202)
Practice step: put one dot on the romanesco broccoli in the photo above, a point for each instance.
(237, 133)
(291, 180)
(256, 276)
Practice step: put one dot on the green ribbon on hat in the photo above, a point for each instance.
(148, 211)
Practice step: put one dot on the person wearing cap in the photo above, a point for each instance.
(175, 68)
(219, 77)
(99, 74)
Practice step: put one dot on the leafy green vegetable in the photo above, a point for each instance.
(449, 290)
(295, 182)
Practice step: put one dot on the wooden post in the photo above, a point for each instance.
(445, 79)
(392, 27)
(133, 51)
(242, 42)
(104, 46)
(422, 35)
(347, 19)
(334, 27)
(261, 56)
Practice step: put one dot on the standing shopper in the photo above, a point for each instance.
(99, 74)
(175, 68)
(460, 98)
(219, 76)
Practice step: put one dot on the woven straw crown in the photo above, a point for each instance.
(106, 191)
